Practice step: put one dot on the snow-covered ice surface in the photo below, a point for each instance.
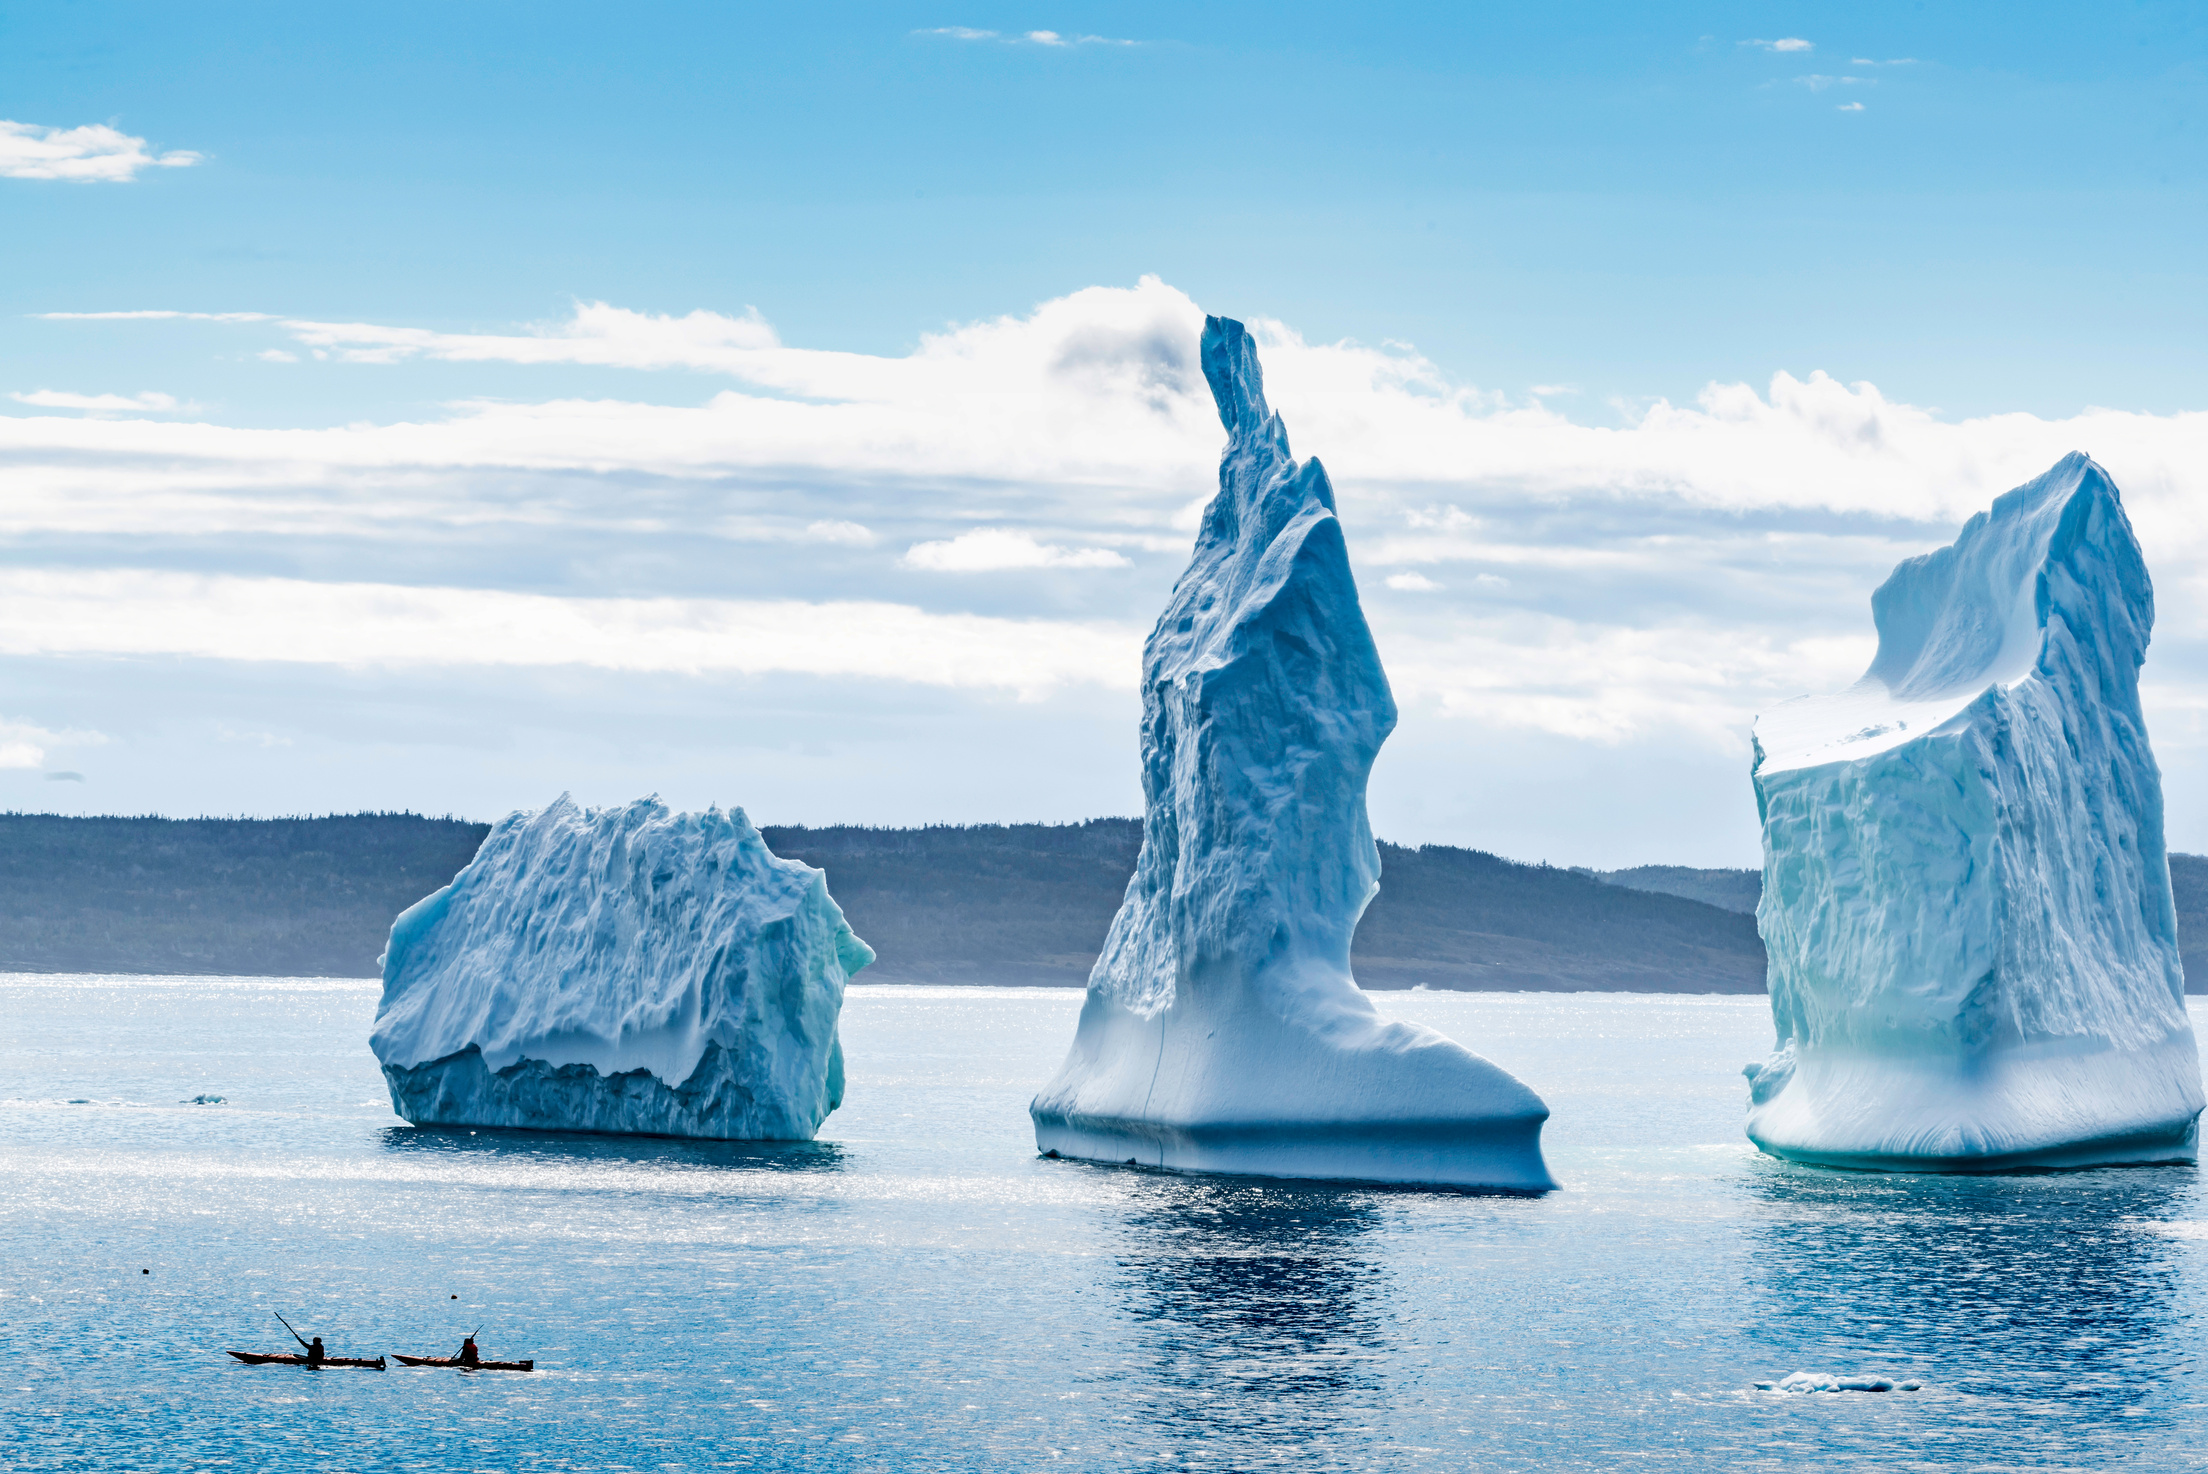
(1966, 899)
(1222, 1030)
(625, 970)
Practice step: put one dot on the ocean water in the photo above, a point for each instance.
(918, 1291)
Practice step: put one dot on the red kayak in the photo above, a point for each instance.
(294, 1359)
(477, 1366)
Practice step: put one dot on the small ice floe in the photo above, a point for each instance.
(1827, 1382)
(205, 1100)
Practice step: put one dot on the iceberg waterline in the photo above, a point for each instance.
(1966, 898)
(1222, 1030)
(627, 970)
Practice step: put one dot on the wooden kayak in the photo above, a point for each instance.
(454, 1361)
(294, 1359)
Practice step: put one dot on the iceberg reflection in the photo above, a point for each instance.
(579, 1148)
(1261, 1310)
(2053, 1286)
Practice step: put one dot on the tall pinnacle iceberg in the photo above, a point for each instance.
(1222, 1030)
(1966, 900)
(628, 970)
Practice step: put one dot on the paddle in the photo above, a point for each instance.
(294, 1334)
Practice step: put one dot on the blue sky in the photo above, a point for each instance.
(1581, 232)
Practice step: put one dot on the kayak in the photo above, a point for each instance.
(294, 1359)
(454, 1361)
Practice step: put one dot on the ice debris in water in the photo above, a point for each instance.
(624, 970)
(202, 1100)
(1966, 899)
(1826, 1382)
(1222, 1030)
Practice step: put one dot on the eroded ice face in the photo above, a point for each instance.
(1951, 625)
(1966, 901)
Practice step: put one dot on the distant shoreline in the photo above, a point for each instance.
(988, 905)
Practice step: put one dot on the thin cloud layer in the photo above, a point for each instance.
(143, 403)
(992, 549)
(93, 154)
(58, 612)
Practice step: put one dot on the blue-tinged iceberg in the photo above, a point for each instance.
(1222, 1030)
(626, 970)
(1966, 900)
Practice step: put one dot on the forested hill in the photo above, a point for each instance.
(1028, 903)
(990, 903)
(288, 897)
(1739, 890)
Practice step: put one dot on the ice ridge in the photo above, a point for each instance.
(625, 970)
(1966, 899)
(1222, 1030)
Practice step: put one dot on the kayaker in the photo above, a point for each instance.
(468, 1354)
(314, 1353)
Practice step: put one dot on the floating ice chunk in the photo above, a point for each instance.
(1222, 1029)
(1826, 1382)
(1966, 900)
(624, 970)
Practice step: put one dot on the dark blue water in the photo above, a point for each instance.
(918, 1291)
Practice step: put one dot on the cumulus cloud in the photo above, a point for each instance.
(25, 744)
(93, 154)
(1675, 568)
(990, 549)
(1412, 583)
(1784, 43)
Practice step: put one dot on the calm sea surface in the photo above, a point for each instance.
(919, 1291)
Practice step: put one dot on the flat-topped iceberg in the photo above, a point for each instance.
(1222, 1030)
(628, 970)
(1966, 900)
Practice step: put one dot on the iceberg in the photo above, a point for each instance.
(1966, 900)
(1222, 1031)
(625, 970)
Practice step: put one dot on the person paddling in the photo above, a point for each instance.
(314, 1352)
(469, 1356)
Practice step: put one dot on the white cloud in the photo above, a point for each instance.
(597, 334)
(51, 612)
(1057, 437)
(991, 549)
(92, 154)
(1412, 583)
(1850, 107)
(277, 355)
(1023, 38)
(1784, 43)
(149, 401)
(155, 316)
(1818, 83)
(24, 745)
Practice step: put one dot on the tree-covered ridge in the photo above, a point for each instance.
(978, 903)
(306, 897)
